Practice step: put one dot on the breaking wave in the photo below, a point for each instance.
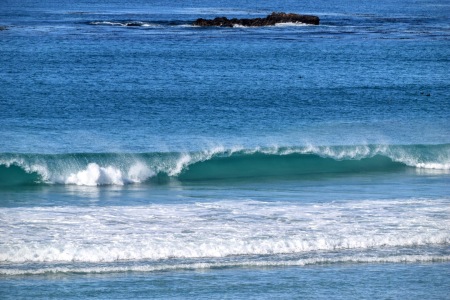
(45, 270)
(218, 164)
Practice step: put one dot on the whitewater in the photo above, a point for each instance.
(225, 232)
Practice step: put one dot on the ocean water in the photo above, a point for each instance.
(143, 157)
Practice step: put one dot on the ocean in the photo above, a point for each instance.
(144, 157)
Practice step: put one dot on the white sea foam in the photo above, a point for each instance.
(292, 24)
(210, 265)
(287, 24)
(218, 230)
(111, 23)
(125, 24)
(435, 166)
(96, 175)
(139, 172)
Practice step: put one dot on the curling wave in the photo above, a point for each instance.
(218, 164)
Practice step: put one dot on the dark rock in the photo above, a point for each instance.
(3, 28)
(270, 20)
(133, 24)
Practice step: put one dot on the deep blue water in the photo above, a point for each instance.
(164, 160)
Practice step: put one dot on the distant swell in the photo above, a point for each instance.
(218, 164)
(137, 23)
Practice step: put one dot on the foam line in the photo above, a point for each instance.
(219, 229)
(212, 265)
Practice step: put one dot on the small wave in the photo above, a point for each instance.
(216, 265)
(183, 246)
(219, 163)
(125, 23)
(292, 24)
(287, 24)
(158, 24)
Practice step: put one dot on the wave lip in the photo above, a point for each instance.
(219, 163)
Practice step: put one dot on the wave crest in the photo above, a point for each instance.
(218, 163)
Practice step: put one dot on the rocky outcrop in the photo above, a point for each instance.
(271, 19)
(3, 28)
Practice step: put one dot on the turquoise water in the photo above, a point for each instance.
(164, 160)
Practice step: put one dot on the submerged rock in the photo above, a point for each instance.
(3, 28)
(272, 19)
